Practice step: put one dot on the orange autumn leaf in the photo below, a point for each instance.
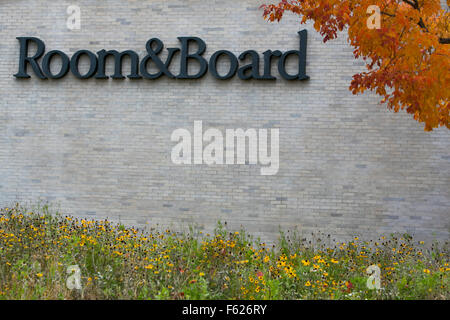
(407, 57)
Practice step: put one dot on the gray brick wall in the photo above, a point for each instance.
(99, 149)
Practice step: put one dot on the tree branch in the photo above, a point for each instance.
(414, 4)
(388, 14)
(421, 24)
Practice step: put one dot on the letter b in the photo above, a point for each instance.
(185, 55)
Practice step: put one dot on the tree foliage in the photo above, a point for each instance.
(407, 55)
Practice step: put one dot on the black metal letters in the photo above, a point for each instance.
(154, 47)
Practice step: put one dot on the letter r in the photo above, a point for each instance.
(24, 59)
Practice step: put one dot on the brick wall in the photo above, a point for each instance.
(101, 148)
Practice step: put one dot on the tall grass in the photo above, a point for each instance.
(36, 249)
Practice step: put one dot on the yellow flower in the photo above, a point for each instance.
(307, 283)
(306, 263)
(426, 271)
(39, 275)
(150, 266)
(201, 274)
(266, 259)
(334, 261)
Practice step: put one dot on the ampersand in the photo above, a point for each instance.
(153, 56)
